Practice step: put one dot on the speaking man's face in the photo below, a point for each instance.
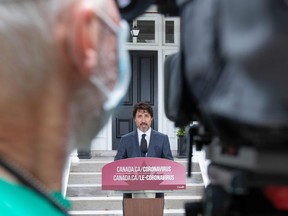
(143, 120)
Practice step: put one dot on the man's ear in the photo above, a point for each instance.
(86, 28)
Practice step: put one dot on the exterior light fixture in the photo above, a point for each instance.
(135, 31)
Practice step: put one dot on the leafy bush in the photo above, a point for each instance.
(180, 131)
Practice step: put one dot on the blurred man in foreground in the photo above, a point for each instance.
(58, 75)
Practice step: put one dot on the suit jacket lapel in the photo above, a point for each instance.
(151, 143)
(137, 145)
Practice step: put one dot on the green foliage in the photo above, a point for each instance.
(180, 131)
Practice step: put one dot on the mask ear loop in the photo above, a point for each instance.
(124, 70)
(115, 29)
(107, 21)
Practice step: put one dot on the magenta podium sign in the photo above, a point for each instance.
(143, 173)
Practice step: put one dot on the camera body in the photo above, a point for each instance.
(232, 70)
(131, 9)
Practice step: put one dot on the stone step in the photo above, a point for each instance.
(94, 190)
(84, 190)
(115, 203)
(167, 212)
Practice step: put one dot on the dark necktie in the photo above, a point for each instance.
(143, 145)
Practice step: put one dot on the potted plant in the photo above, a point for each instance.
(181, 143)
(180, 132)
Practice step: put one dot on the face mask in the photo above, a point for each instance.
(92, 124)
(115, 96)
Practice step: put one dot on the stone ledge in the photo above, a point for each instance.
(112, 153)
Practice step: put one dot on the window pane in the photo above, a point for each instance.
(169, 32)
(147, 31)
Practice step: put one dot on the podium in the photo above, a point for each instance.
(143, 177)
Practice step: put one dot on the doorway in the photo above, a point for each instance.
(143, 87)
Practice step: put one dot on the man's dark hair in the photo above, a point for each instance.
(143, 106)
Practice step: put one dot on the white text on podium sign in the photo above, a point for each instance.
(143, 174)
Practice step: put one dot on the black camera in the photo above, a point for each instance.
(232, 73)
(130, 9)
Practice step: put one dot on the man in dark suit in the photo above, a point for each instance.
(133, 145)
(144, 142)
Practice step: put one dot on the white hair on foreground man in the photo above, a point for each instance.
(59, 69)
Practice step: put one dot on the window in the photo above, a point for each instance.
(147, 31)
(155, 29)
(169, 31)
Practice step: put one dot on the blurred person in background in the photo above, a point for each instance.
(59, 71)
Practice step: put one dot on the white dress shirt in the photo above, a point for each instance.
(147, 137)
